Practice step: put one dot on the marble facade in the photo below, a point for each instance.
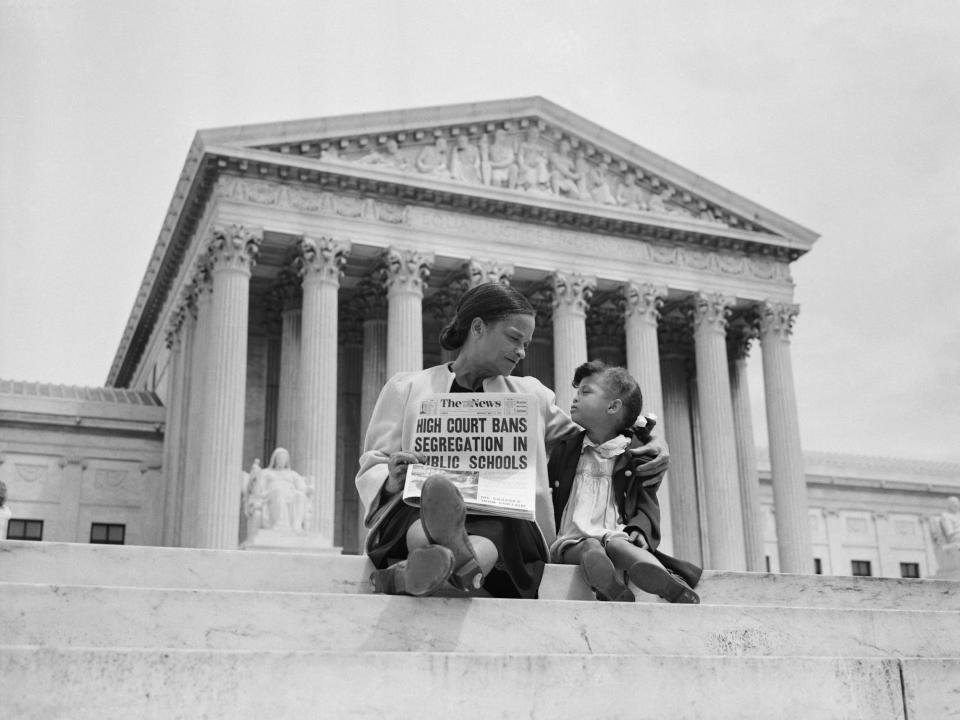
(302, 263)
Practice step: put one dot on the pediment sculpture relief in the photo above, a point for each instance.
(525, 161)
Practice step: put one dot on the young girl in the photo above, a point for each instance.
(608, 520)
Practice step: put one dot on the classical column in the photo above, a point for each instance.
(539, 359)
(721, 477)
(201, 288)
(571, 297)
(350, 358)
(178, 342)
(371, 306)
(783, 427)
(641, 313)
(605, 330)
(739, 336)
(676, 346)
(321, 264)
(232, 251)
(290, 296)
(404, 274)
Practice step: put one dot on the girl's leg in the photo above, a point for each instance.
(598, 570)
(648, 573)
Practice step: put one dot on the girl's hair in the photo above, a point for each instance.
(490, 302)
(618, 383)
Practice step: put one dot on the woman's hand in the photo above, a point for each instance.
(651, 458)
(397, 469)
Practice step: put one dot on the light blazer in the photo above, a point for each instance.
(392, 425)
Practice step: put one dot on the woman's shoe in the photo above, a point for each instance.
(657, 580)
(423, 573)
(444, 515)
(603, 578)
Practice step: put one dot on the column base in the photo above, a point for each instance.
(287, 541)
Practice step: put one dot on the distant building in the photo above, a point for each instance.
(302, 263)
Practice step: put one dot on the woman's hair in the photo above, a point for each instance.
(618, 383)
(490, 302)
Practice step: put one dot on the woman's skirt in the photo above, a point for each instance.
(521, 558)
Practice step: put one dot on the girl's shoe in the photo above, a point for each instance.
(604, 578)
(657, 580)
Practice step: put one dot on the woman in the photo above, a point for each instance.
(491, 328)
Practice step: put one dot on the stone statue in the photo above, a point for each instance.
(278, 497)
(391, 158)
(945, 530)
(5, 512)
(465, 161)
(532, 171)
(598, 186)
(949, 521)
(500, 162)
(631, 195)
(433, 159)
(564, 178)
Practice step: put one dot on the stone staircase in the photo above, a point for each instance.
(93, 631)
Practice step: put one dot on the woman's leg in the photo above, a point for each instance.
(648, 573)
(598, 570)
(484, 549)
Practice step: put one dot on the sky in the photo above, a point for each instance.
(843, 117)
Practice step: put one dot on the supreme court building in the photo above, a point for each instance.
(303, 263)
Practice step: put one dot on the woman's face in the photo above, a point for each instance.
(499, 346)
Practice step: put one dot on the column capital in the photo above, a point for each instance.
(287, 290)
(234, 247)
(322, 259)
(776, 319)
(674, 331)
(572, 291)
(643, 301)
(349, 326)
(479, 272)
(404, 270)
(710, 311)
(370, 299)
(742, 329)
(605, 322)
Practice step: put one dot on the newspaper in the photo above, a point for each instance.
(484, 443)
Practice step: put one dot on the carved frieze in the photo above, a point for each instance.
(30, 472)
(733, 263)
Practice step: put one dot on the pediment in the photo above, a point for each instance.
(528, 148)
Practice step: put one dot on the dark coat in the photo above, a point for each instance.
(635, 495)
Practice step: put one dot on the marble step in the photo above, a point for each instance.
(236, 685)
(91, 616)
(143, 566)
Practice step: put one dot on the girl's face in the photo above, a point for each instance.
(592, 405)
(500, 345)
